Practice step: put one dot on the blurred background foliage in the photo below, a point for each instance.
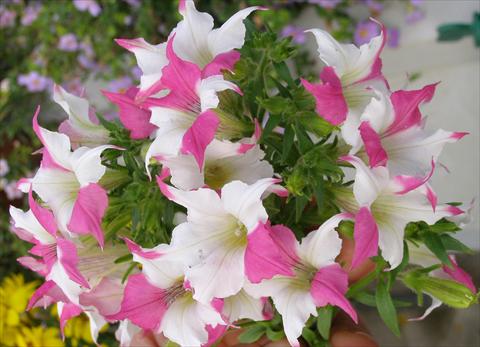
(71, 43)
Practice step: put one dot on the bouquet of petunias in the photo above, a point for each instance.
(220, 199)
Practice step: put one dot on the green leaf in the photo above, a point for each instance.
(324, 321)
(310, 337)
(385, 307)
(434, 243)
(300, 203)
(288, 138)
(252, 334)
(452, 244)
(275, 335)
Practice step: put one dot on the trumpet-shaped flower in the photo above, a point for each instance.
(82, 127)
(225, 240)
(391, 130)
(160, 299)
(212, 50)
(224, 162)
(317, 281)
(383, 207)
(184, 116)
(349, 76)
(67, 182)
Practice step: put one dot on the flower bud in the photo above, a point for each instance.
(451, 293)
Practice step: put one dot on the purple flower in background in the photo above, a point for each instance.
(86, 62)
(74, 86)
(393, 37)
(31, 14)
(4, 167)
(88, 5)
(68, 43)
(365, 31)
(136, 72)
(120, 85)
(7, 17)
(33, 81)
(416, 2)
(12, 191)
(297, 33)
(414, 16)
(326, 3)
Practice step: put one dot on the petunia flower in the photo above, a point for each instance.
(82, 126)
(383, 206)
(349, 76)
(391, 131)
(317, 281)
(212, 50)
(224, 162)
(160, 299)
(185, 117)
(225, 240)
(68, 182)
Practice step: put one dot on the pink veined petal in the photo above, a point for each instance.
(330, 102)
(43, 215)
(365, 235)
(88, 211)
(49, 292)
(47, 252)
(373, 145)
(286, 242)
(263, 259)
(69, 311)
(34, 264)
(106, 297)
(181, 78)
(409, 183)
(136, 249)
(405, 104)
(329, 287)
(142, 303)
(68, 258)
(133, 117)
(199, 135)
(459, 275)
(223, 61)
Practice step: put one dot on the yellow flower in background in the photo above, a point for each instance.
(78, 329)
(14, 296)
(38, 337)
(21, 329)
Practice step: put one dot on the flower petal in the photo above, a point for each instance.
(329, 287)
(244, 201)
(320, 247)
(373, 145)
(330, 102)
(132, 116)
(88, 211)
(366, 237)
(143, 303)
(231, 34)
(263, 258)
(199, 135)
(185, 321)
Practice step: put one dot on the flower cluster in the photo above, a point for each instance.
(179, 221)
